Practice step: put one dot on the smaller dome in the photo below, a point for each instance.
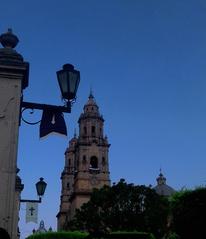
(162, 188)
(41, 228)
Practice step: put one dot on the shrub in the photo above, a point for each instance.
(123, 235)
(58, 235)
(189, 213)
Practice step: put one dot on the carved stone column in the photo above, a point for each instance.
(13, 78)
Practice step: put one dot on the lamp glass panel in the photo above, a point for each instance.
(40, 187)
(72, 82)
(63, 82)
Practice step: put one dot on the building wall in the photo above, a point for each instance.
(13, 78)
(10, 95)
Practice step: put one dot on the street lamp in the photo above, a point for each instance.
(40, 189)
(52, 118)
(68, 79)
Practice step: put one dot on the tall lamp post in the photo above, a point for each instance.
(14, 78)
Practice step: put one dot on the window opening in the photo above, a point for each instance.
(103, 161)
(93, 129)
(94, 162)
(85, 130)
(84, 161)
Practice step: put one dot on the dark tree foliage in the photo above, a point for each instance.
(189, 214)
(123, 207)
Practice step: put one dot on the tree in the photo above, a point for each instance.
(189, 213)
(124, 207)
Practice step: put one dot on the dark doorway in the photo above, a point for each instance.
(4, 234)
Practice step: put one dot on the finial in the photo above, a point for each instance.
(91, 93)
(75, 133)
(161, 174)
(8, 39)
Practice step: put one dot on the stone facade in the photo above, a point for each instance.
(13, 78)
(86, 163)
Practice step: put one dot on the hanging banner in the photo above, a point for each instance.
(31, 212)
(52, 122)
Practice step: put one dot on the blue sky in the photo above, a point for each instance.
(146, 63)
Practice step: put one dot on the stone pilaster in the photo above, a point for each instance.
(13, 78)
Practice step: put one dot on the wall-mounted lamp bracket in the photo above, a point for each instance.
(28, 200)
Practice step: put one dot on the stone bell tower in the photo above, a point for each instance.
(86, 163)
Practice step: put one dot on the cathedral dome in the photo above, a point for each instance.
(162, 188)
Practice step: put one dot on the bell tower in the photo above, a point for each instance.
(86, 163)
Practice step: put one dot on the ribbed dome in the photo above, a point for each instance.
(162, 188)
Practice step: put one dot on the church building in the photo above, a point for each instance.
(86, 163)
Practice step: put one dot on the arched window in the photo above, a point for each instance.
(84, 161)
(94, 162)
(85, 130)
(93, 130)
(103, 161)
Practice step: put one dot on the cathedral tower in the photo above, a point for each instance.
(86, 163)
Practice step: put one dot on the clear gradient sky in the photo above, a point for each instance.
(146, 63)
